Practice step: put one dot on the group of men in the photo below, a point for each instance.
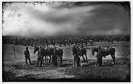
(42, 53)
(79, 52)
(76, 53)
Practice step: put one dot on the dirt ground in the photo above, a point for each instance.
(15, 69)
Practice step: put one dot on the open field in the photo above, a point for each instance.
(15, 69)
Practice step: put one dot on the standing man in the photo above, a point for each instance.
(75, 51)
(99, 48)
(55, 56)
(40, 57)
(27, 55)
(83, 51)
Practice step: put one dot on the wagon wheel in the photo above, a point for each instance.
(59, 61)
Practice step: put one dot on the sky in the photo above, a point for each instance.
(65, 18)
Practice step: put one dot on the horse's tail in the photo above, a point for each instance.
(61, 52)
(36, 49)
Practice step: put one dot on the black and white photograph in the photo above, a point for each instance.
(66, 41)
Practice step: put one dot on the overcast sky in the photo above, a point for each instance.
(41, 19)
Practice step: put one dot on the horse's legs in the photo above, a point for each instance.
(49, 58)
(45, 59)
(74, 61)
(41, 61)
(78, 61)
(97, 61)
(86, 58)
(83, 57)
(61, 59)
(113, 57)
(100, 62)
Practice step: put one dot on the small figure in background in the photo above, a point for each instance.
(99, 48)
(108, 48)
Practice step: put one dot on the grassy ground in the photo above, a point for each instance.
(90, 72)
(15, 69)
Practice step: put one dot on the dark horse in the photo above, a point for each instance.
(103, 52)
(54, 54)
(45, 52)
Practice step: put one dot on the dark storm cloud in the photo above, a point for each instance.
(107, 18)
(60, 18)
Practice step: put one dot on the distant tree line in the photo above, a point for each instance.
(63, 40)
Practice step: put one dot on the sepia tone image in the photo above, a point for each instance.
(60, 41)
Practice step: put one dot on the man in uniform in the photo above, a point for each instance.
(55, 56)
(83, 51)
(77, 58)
(39, 59)
(27, 55)
(99, 57)
(99, 48)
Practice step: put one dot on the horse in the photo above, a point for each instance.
(103, 52)
(45, 53)
(50, 52)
